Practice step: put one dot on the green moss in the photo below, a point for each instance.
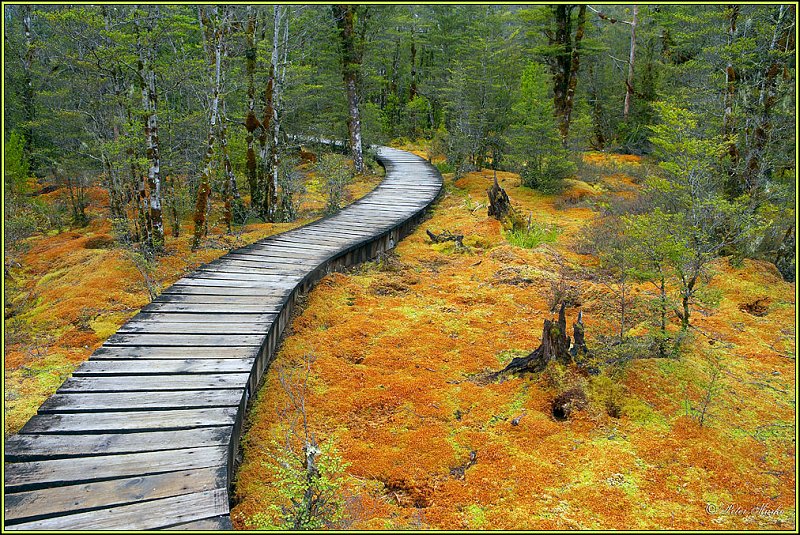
(643, 415)
(475, 517)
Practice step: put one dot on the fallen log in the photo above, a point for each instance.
(446, 235)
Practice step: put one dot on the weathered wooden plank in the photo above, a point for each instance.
(165, 327)
(160, 367)
(188, 340)
(212, 308)
(126, 421)
(38, 474)
(148, 384)
(140, 516)
(284, 283)
(177, 317)
(132, 401)
(48, 502)
(219, 523)
(275, 250)
(146, 352)
(260, 295)
(270, 280)
(34, 447)
(242, 270)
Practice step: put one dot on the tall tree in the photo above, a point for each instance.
(565, 61)
(147, 83)
(352, 53)
(631, 61)
(251, 122)
(213, 44)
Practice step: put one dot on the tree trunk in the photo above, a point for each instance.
(28, 94)
(251, 123)
(412, 91)
(783, 39)
(566, 63)
(555, 346)
(147, 81)
(213, 38)
(274, 123)
(629, 82)
(351, 64)
(229, 189)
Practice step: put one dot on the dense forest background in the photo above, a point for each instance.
(168, 106)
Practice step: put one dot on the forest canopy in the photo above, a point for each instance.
(169, 106)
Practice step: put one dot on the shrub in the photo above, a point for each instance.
(310, 499)
(334, 172)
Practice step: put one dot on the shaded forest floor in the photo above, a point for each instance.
(66, 292)
(398, 344)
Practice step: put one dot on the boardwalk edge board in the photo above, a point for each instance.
(145, 434)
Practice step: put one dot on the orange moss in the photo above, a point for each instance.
(399, 343)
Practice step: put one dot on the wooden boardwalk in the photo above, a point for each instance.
(142, 436)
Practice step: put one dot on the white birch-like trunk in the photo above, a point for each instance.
(631, 60)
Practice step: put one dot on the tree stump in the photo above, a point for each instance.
(555, 346)
(501, 209)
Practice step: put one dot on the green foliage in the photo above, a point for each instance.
(16, 168)
(307, 500)
(537, 152)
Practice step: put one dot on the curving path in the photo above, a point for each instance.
(143, 435)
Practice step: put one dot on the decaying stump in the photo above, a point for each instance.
(501, 209)
(446, 235)
(555, 346)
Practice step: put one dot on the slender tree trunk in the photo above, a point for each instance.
(230, 191)
(597, 111)
(662, 350)
(728, 127)
(147, 81)
(631, 60)
(274, 123)
(251, 122)
(154, 158)
(351, 64)
(412, 91)
(213, 38)
(28, 94)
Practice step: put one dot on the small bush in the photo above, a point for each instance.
(547, 173)
(334, 172)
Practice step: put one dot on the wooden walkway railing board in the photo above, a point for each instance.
(143, 435)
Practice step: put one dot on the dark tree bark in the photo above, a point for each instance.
(251, 122)
(352, 55)
(28, 94)
(566, 62)
(501, 209)
(555, 346)
(728, 126)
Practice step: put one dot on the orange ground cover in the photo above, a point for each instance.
(399, 342)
